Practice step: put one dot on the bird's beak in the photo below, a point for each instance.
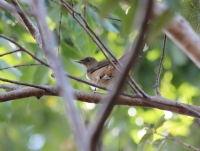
(79, 61)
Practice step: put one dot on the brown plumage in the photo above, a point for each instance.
(102, 73)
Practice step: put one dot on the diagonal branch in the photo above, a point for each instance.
(95, 133)
(75, 121)
(181, 33)
(30, 26)
(10, 52)
(9, 8)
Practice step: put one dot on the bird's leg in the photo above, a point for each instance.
(96, 82)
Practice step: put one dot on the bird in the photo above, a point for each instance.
(102, 73)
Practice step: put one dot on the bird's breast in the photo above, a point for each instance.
(103, 76)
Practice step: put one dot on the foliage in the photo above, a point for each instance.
(32, 124)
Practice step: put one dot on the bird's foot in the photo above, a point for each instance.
(95, 90)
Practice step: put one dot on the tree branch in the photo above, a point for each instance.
(136, 48)
(10, 52)
(75, 120)
(10, 9)
(90, 97)
(30, 26)
(10, 86)
(181, 33)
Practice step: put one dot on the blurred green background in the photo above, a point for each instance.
(40, 125)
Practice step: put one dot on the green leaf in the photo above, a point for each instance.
(128, 21)
(29, 76)
(145, 142)
(108, 6)
(159, 122)
(157, 144)
(14, 71)
(109, 26)
(161, 22)
(174, 5)
(79, 38)
(105, 23)
(5, 112)
(178, 61)
(41, 75)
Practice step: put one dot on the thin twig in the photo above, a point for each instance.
(72, 3)
(56, 2)
(108, 17)
(156, 86)
(24, 49)
(59, 32)
(10, 52)
(21, 65)
(179, 142)
(23, 83)
(98, 126)
(112, 18)
(85, 9)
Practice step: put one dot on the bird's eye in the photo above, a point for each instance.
(88, 59)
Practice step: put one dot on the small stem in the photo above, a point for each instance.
(156, 86)
(10, 52)
(25, 84)
(21, 65)
(59, 33)
(179, 142)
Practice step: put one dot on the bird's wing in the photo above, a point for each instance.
(101, 64)
(104, 63)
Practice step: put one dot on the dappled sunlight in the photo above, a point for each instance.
(132, 111)
(139, 121)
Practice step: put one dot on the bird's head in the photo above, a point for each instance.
(88, 62)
